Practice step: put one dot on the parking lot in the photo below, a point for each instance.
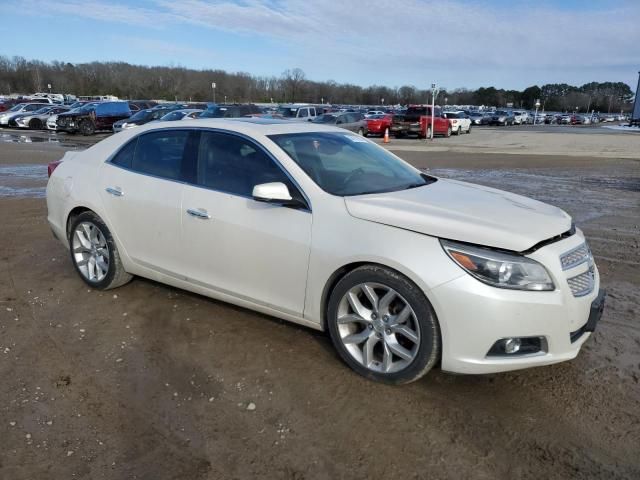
(148, 381)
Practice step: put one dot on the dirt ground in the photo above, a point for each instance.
(151, 382)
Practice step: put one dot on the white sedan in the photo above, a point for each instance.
(322, 227)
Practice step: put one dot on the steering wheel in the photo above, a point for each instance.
(356, 173)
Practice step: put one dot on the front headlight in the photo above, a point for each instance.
(499, 269)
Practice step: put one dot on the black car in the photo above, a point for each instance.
(230, 110)
(145, 116)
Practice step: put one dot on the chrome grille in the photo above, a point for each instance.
(582, 284)
(575, 257)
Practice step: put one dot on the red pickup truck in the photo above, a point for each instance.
(417, 121)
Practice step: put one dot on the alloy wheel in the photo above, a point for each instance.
(90, 252)
(378, 327)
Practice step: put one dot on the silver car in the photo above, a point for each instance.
(8, 118)
(38, 119)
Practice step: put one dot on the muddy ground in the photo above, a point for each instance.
(151, 382)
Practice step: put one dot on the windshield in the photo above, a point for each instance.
(141, 115)
(345, 164)
(325, 118)
(376, 117)
(288, 112)
(454, 115)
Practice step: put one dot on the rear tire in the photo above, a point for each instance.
(383, 326)
(469, 130)
(361, 132)
(448, 132)
(94, 253)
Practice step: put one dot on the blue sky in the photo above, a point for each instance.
(456, 43)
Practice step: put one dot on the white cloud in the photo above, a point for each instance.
(454, 39)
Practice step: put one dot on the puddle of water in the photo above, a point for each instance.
(23, 181)
(54, 139)
(22, 192)
(24, 171)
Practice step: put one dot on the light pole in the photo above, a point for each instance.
(213, 87)
(535, 118)
(434, 92)
(49, 86)
(382, 101)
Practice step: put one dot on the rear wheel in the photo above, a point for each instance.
(469, 129)
(94, 253)
(383, 326)
(448, 131)
(361, 132)
(459, 131)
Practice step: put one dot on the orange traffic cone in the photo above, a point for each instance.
(386, 136)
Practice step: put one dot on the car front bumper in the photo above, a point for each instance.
(473, 316)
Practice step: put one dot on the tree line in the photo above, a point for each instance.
(19, 75)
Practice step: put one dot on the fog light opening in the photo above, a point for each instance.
(517, 346)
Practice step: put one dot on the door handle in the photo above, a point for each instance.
(116, 191)
(199, 213)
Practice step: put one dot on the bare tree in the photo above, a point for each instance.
(294, 80)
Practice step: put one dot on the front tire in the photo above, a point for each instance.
(87, 127)
(94, 253)
(383, 326)
(35, 124)
(361, 132)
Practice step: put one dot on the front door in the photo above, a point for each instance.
(236, 245)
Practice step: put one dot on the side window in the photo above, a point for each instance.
(162, 154)
(124, 158)
(232, 164)
(303, 112)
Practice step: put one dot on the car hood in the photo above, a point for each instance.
(465, 212)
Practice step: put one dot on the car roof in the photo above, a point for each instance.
(251, 126)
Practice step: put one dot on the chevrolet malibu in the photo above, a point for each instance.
(322, 227)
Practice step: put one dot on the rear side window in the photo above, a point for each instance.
(162, 154)
(124, 158)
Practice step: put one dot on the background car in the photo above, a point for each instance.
(477, 118)
(502, 117)
(300, 112)
(7, 118)
(38, 119)
(183, 114)
(460, 122)
(234, 110)
(379, 123)
(145, 116)
(351, 121)
(93, 117)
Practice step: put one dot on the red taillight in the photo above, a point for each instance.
(52, 166)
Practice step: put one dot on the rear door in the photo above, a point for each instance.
(141, 190)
